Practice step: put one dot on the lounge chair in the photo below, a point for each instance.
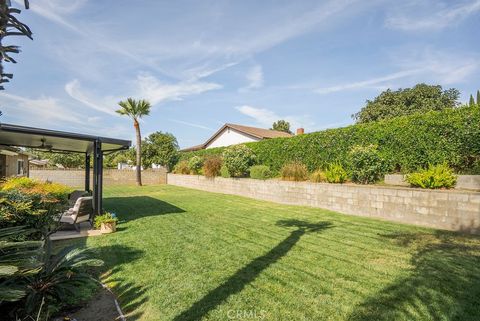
(82, 211)
(73, 196)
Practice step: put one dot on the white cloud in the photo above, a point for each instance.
(43, 110)
(423, 66)
(75, 91)
(150, 88)
(409, 20)
(191, 124)
(254, 77)
(266, 117)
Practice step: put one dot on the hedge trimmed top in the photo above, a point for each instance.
(407, 143)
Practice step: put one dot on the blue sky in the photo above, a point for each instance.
(205, 63)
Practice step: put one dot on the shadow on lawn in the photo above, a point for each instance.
(444, 283)
(134, 207)
(249, 272)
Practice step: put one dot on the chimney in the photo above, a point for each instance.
(300, 131)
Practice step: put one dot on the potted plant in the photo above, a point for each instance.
(107, 223)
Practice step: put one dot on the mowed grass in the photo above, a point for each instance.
(182, 254)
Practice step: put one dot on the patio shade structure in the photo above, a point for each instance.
(67, 142)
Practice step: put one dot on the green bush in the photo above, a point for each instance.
(195, 164)
(294, 171)
(224, 172)
(260, 172)
(406, 143)
(182, 168)
(366, 164)
(438, 176)
(238, 159)
(318, 176)
(335, 173)
(212, 166)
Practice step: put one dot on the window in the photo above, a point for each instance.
(20, 164)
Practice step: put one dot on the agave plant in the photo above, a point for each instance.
(17, 261)
(59, 278)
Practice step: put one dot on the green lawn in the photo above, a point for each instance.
(182, 254)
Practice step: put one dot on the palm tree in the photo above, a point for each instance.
(136, 109)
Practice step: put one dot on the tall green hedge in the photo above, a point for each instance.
(407, 143)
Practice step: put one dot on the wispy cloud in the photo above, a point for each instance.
(266, 117)
(426, 65)
(44, 110)
(254, 77)
(408, 19)
(75, 91)
(149, 87)
(367, 83)
(191, 124)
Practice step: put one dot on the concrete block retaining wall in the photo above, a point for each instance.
(76, 177)
(451, 210)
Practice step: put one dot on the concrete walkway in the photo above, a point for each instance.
(85, 230)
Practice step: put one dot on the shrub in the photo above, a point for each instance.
(439, 176)
(182, 168)
(195, 164)
(318, 176)
(224, 172)
(212, 166)
(238, 159)
(18, 182)
(335, 173)
(406, 143)
(294, 171)
(260, 172)
(367, 165)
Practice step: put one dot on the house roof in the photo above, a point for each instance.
(260, 133)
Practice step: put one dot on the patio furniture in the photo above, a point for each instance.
(75, 195)
(82, 211)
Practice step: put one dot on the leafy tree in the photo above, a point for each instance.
(136, 109)
(421, 98)
(10, 26)
(161, 149)
(123, 156)
(478, 97)
(67, 160)
(472, 101)
(282, 126)
(238, 159)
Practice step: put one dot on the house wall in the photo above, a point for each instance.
(229, 137)
(10, 163)
(451, 210)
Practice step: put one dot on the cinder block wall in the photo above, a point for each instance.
(76, 177)
(451, 210)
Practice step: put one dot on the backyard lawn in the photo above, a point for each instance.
(182, 254)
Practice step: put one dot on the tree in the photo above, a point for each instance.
(10, 26)
(421, 98)
(282, 126)
(471, 103)
(478, 98)
(136, 110)
(161, 149)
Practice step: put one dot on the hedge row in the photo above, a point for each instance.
(407, 143)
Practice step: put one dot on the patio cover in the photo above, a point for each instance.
(67, 142)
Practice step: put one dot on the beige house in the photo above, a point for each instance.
(232, 134)
(13, 162)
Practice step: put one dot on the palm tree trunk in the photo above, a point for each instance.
(139, 152)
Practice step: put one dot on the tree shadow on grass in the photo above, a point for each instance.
(444, 283)
(237, 282)
(134, 207)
